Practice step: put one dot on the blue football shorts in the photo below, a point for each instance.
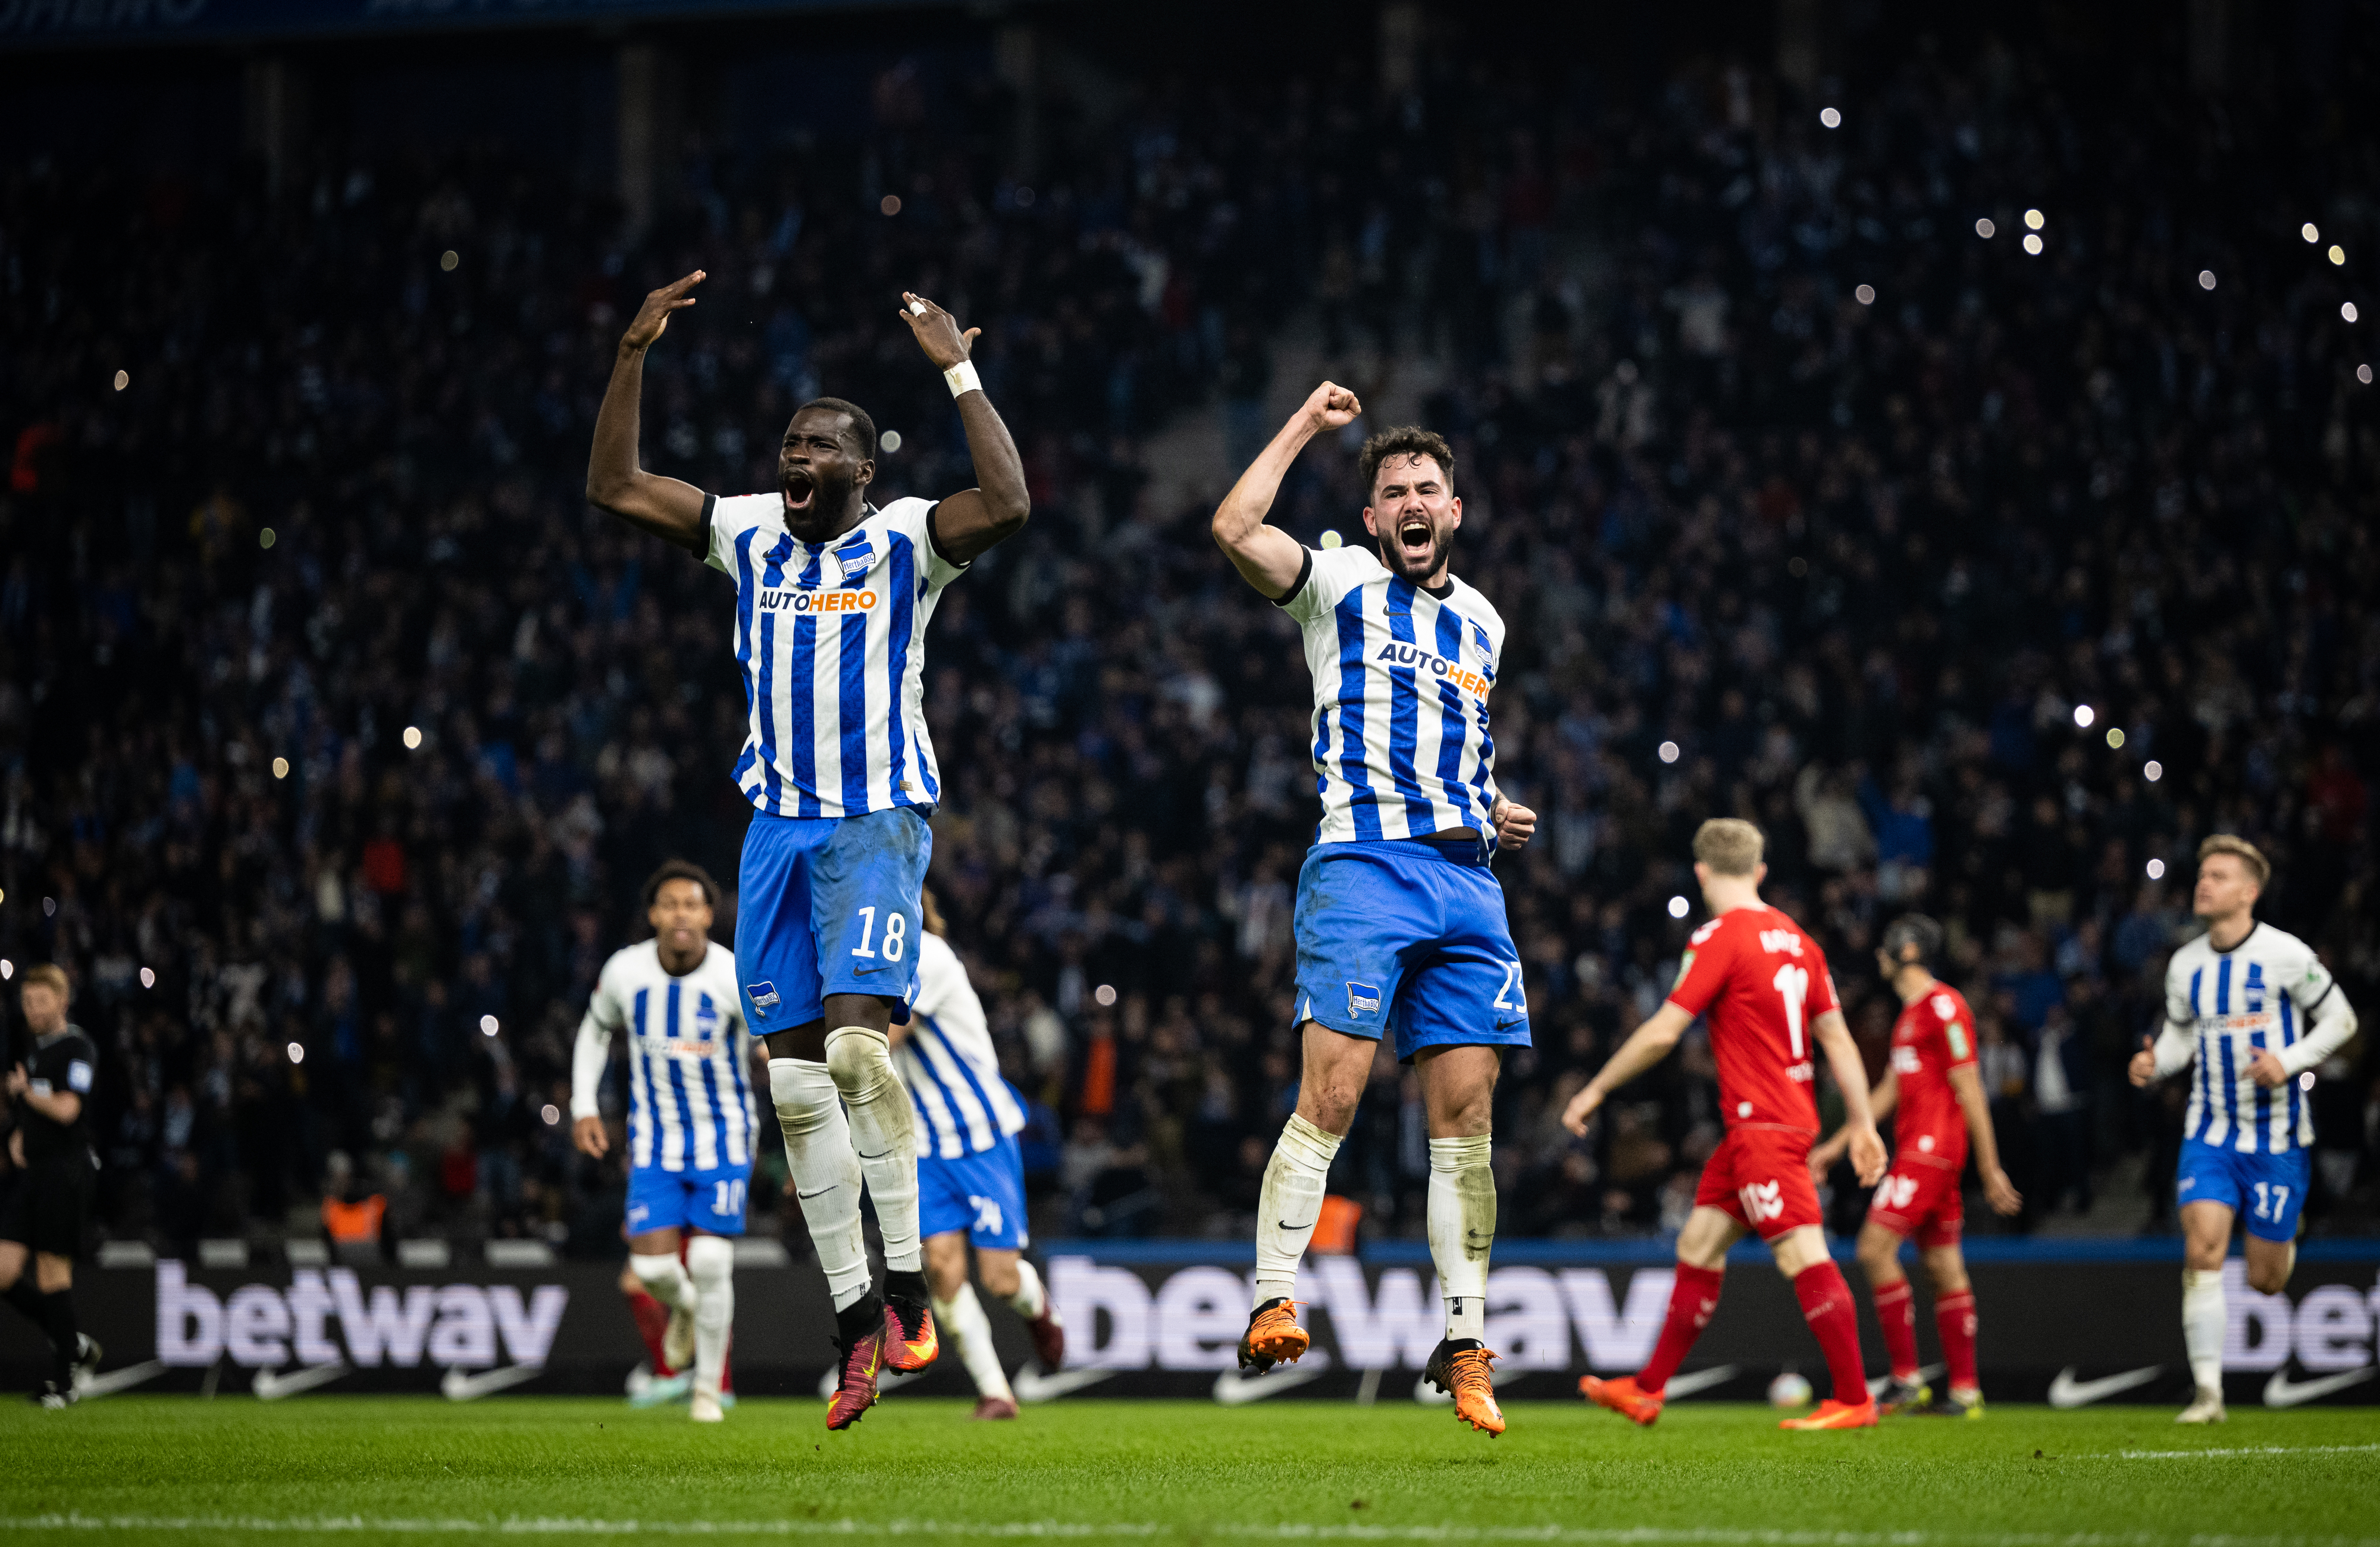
(710, 1200)
(1409, 938)
(2265, 1191)
(829, 905)
(982, 1194)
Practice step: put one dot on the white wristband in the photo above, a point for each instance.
(962, 379)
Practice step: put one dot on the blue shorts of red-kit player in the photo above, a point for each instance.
(711, 1201)
(2265, 1191)
(982, 1194)
(829, 905)
(1409, 938)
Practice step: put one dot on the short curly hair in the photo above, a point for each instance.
(1405, 440)
(680, 870)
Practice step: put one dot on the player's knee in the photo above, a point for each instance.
(802, 1093)
(709, 1260)
(859, 1062)
(2268, 1278)
(999, 1274)
(1330, 1108)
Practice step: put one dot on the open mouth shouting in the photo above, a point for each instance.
(1416, 543)
(800, 490)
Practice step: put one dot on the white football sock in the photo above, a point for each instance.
(1030, 1297)
(885, 1133)
(710, 1262)
(825, 1171)
(664, 1277)
(1290, 1204)
(2203, 1319)
(1463, 1228)
(961, 1321)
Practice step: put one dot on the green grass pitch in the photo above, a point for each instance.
(416, 1469)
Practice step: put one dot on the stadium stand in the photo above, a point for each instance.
(337, 734)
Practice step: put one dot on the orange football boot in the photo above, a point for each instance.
(1273, 1336)
(1622, 1397)
(863, 1357)
(1832, 1414)
(909, 1339)
(1460, 1368)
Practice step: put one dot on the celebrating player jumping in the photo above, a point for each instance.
(2257, 1010)
(1940, 1097)
(1400, 922)
(1769, 996)
(691, 1124)
(832, 599)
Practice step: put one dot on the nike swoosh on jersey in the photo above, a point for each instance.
(2282, 1392)
(272, 1386)
(460, 1386)
(1234, 1389)
(2065, 1391)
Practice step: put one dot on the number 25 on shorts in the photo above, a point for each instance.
(896, 938)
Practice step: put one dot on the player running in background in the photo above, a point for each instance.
(691, 1121)
(832, 599)
(2256, 1009)
(1933, 1084)
(1769, 998)
(656, 1382)
(970, 1174)
(1400, 922)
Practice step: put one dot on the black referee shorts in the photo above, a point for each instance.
(45, 1207)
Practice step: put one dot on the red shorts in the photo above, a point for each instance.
(1920, 1199)
(1760, 1178)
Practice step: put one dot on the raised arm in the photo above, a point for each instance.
(1647, 1046)
(1851, 1076)
(1267, 556)
(967, 524)
(617, 482)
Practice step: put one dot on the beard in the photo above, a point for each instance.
(1393, 556)
(830, 499)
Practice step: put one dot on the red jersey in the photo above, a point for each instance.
(1932, 1036)
(1763, 982)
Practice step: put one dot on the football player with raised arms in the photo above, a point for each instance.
(1770, 1004)
(832, 594)
(1400, 922)
(1933, 1083)
(2255, 1010)
(692, 1127)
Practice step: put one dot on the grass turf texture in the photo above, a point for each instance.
(414, 1469)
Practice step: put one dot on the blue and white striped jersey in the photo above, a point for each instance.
(689, 1054)
(948, 1063)
(2255, 995)
(832, 640)
(1401, 683)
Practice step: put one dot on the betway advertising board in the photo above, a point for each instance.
(2073, 1324)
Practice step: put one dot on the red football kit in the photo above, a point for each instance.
(1920, 1195)
(1760, 982)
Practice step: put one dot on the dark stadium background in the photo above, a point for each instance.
(1854, 563)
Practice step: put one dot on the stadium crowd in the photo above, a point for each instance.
(336, 735)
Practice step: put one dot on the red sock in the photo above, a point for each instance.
(1692, 1299)
(653, 1320)
(1954, 1318)
(1827, 1306)
(1896, 1312)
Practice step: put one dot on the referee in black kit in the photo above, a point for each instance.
(47, 1194)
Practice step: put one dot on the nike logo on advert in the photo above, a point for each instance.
(1236, 1389)
(2282, 1392)
(1700, 1380)
(2067, 1391)
(272, 1386)
(459, 1387)
(1033, 1386)
(91, 1388)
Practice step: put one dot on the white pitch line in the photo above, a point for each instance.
(2243, 1450)
(1639, 1536)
